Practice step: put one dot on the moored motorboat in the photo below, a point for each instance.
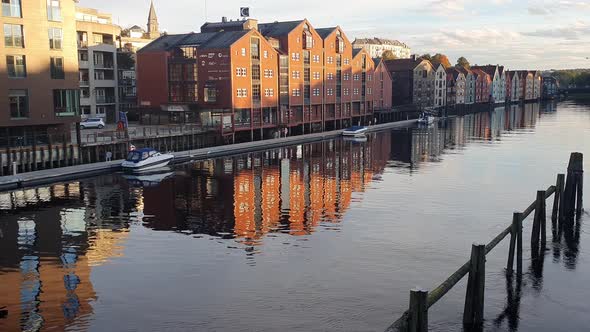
(145, 159)
(354, 131)
(425, 119)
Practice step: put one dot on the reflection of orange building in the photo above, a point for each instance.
(345, 195)
(244, 207)
(297, 203)
(330, 199)
(316, 198)
(271, 193)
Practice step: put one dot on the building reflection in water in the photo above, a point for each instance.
(49, 242)
(52, 238)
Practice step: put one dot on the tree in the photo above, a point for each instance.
(426, 56)
(442, 59)
(125, 60)
(463, 63)
(388, 55)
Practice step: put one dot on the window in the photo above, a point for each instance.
(13, 35)
(316, 75)
(241, 72)
(268, 73)
(16, 66)
(243, 51)
(330, 76)
(55, 38)
(255, 72)
(269, 92)
(346, 61)
(369, 77)
(98, 38)
(296, 74)
(356, 91)
(242, 93)
(256, 92)
(66, 102)
(19, 104)
(57, 68)
(339, 45)
(295, 56)
(11, 8)
(265, 54)
(369, 91)
(83, 56)
(330, 92)
(346, 76)
(53, 10)
(296, 92)
(316, 92)
(330, 60)
(316, 58)
(210, 94)
(356, 77)
(346, 92)
(174, 72)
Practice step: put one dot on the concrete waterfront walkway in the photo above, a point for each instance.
(69, 173)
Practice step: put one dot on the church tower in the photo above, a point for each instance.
(152, 25)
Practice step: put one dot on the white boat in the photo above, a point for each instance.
(425, 119)
(361, 138)
(145, 159)
(354, 131)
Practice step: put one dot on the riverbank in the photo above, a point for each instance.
(48, 176)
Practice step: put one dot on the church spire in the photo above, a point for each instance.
(152, 25)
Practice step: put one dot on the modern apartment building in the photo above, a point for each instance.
(376, 47)
(38, 72)
(97, 58)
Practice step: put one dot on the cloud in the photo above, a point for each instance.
(576, 31)
(544, 8)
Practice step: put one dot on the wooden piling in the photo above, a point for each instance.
(474, 297)
(513, 235)
(418, 319)
(540, 220)
(518, 216)
(580, 193)
(574, 168)
(557, 200)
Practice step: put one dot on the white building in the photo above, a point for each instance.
(97, 62)
(440, 86)
(376, 47)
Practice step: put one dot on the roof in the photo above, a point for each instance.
(402, 64)
(377, 61)
(454, 72)
(325, 32)
(479, 72)
(204, 40)
(278, 29)
(136, 28)
(356, 51)
(218, 26)
(489, 69)
(224, 39)
(152, 14)
(465, 71)
(378, 41)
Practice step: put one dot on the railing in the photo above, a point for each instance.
(566, 205)
(144, 132)
(105, 100)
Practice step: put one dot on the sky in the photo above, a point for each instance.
(520, 34)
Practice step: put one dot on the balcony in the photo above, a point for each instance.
(84, 83)
(83, 64)
(82, 44)
(105, 99)
(103, 65)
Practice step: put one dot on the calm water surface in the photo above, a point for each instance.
(321, 237)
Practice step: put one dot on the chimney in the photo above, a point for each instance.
(413, 57)
(224, 19)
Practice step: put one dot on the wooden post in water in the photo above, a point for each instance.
(518, 216)
(513, 235)
(541, 216)
(418, 320)
(558, 199)
(574, 168)
(474, 297)
(535, 233)
(580, 193)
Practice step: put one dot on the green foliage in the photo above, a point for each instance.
(426, 56)
(572, 77)
(125, 60)
(439, 58)
(463, 63)
(388, 55)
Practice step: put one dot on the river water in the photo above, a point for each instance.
(321, 237)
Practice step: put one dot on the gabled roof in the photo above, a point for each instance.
(377, 61)
(454, 72)
(478, 72)
(403, 64)
(489, 69)
(378, 41)
(218, 26)
(163, 43)
(465, 71)
(355, 52)
(136, 28)
(325, 32)
(278, 29)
